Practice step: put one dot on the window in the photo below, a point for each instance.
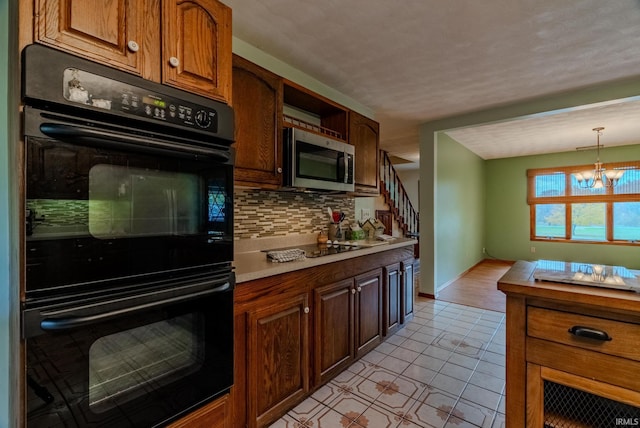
(563, 211)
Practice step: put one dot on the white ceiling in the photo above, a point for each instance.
(414, 61)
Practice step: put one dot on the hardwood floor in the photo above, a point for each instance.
(478, 287)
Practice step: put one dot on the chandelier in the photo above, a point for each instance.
(598, 178)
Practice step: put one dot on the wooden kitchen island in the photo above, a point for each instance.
(573, 353)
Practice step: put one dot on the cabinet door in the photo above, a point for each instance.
(364, 135)
(104, 31)
(196, 47)
(368, 311)
(257, 103)
(212, 415)
(392, 298)
(334, 328)
(408, 290)
(278, 360)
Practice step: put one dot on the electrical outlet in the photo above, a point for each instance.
(533, 249)
(365, 213)
(484, 250)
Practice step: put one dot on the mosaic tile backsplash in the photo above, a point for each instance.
(261, 213)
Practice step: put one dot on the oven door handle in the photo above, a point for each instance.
(58, 324)
(101, 138)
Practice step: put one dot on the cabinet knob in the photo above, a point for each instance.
(174, 61)
(133, 46)
(359, 289)
(279, 170)
(306, 309)
(353, 291)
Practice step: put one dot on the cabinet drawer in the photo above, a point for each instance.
(611, 337)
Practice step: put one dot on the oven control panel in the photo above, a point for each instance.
(90, 89)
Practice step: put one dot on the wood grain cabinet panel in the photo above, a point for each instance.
(368, 311)
(278, 358)
(257, 102)
(212, 415)
(95, 29)
(196, 40)
(364, 134)
(392, 298)
(408, 289)
(181, 43)
(334, 327)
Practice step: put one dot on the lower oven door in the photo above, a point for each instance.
(139, 361)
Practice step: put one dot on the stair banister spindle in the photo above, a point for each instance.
(397, 197)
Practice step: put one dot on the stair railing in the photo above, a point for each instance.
(397, 198)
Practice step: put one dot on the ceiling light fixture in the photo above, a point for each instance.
(598, 178)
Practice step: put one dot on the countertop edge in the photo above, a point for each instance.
(253, 265)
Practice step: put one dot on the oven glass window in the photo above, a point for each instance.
(131, 363)
(133, 202)
(317, 162)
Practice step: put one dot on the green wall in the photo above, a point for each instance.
(507, 212)
(459, 209)
(431, 133)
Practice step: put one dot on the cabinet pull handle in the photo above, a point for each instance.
(174, 61)
(133, 46)
(590, 333)
(306, 309)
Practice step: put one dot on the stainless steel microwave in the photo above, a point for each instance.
(318, 162)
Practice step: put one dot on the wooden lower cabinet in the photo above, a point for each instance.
(368, 311)
(348, 322)
(334, 319)
(392, 298)
(278, 357)
(212, 415)
(408, 290)
(277, 364)
(399, 295)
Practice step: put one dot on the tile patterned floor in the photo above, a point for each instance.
(445, 368)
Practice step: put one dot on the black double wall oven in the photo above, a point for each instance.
(128, 306)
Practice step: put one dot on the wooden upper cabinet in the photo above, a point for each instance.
(101, 30)
(364, 134)
(182, 43)
(196, 40)
(257, 103)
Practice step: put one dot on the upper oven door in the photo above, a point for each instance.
(106, 205)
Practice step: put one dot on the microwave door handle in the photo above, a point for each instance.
(345, 155)
(99, 137)
(58, 324)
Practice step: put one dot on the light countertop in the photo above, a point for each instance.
(251, 262)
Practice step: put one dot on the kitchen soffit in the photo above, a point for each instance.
(420, 60)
